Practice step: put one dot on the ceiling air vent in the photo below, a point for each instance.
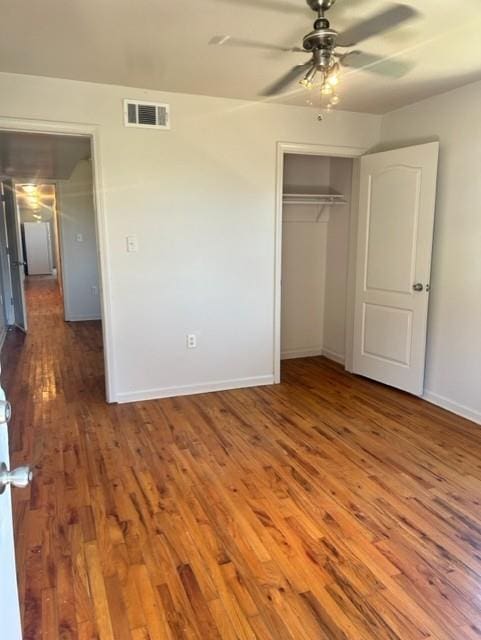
(151, 115)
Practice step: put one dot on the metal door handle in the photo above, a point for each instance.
(418, 287)
(19, 263)
(5, 411)
(19, 477)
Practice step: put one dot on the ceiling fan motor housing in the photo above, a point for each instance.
(321, 42)
(320, 5)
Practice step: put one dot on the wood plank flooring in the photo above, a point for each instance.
(326, 508)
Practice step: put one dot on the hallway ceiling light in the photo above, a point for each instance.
(29, 188)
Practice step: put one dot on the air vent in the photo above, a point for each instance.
(150, 115)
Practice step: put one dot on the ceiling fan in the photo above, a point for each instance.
(324, 42)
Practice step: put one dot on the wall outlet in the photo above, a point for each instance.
(79, 237)
(191, 340)
(95, 290)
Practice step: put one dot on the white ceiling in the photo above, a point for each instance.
(163, 44)
(36, 156)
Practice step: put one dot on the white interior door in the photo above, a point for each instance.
(15, 256)
(37, 248)
(396, 220)
(9, 606)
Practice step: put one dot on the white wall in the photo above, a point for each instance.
(453, 373)
(201, 200)
(303, 260)
(75, 208)
(337, 261)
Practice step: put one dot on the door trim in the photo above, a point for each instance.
(94, 133)
(284, 148)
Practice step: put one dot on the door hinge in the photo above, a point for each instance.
(11, 300)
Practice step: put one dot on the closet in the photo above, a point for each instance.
(315, 255)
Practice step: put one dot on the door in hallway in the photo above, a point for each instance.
(15, 255)
(38, 248)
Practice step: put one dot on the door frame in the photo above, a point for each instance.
(5, 274)
(307, 149)
(16, 244)
(93, 133)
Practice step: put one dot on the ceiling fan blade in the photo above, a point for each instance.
(279, 6)
(376, 24)
(229, 41)
(284, 81)
(390, 67)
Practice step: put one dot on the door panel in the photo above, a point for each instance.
(396, 219)
(9, 607)
(387, 333)
(392, 224)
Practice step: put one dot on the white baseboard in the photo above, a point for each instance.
(312, 352)
(189, 390)
(290, 354)
(332, 355)
(454, 407)
(82, 318)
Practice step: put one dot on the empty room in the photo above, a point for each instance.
(240, 320)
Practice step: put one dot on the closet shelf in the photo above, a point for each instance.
(312, 195)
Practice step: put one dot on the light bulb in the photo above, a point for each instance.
(308, 79)
(335, 100)
(333, 76)
(326, 89)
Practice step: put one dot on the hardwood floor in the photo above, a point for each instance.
(327, 507)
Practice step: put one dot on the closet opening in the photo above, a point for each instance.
(318, 205)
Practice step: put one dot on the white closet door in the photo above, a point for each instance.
(396, 219)
(37, 245)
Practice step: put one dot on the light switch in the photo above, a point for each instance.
(79, 237)
(132, 244)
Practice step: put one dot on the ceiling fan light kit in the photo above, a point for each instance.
(323, 42)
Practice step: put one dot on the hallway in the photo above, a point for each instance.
(325, 508)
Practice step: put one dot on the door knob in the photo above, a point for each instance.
(19, 477)
(5, 411)
(418, 287)
(19, 263)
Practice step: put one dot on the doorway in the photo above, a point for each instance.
(49, 248)
(316, 217)
(378, 272)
